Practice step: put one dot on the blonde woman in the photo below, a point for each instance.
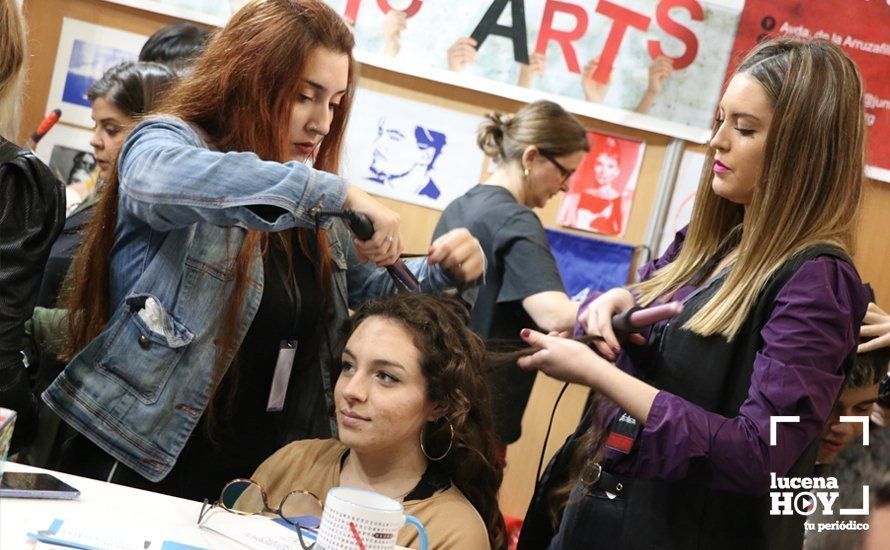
(772, 311)
(32, 211)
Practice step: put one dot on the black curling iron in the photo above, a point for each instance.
(363, 229)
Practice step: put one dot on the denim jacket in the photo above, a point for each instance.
(139, 388)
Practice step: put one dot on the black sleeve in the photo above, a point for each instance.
(32, 213)
(529, 267)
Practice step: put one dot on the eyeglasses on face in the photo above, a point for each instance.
(563, 171)
(245, 497)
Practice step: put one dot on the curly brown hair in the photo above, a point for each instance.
(452, 363)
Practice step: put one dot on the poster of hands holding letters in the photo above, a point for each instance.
(410, 151)
(657, 65)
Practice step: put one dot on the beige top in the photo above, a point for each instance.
(314, 465)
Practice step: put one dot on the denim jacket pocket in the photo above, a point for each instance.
(145, 342)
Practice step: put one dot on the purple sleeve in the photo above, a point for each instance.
(644, 272)
(813, 327)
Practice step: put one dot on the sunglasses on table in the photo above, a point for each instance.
(300, 509)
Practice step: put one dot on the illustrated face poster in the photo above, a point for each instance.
(85, 52)
(410, 151)
(657, 65)
(601, 191)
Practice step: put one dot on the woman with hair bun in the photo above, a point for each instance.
(535, 151)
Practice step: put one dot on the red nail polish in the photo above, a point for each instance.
(525, 333)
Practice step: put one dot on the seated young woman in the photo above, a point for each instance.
(413, 413)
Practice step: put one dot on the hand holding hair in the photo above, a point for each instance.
(597, 320)
(573, 361)
(460, 254)
(564, 359)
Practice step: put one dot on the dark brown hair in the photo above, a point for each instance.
(134, 88)
(452, 362)
(589, 446)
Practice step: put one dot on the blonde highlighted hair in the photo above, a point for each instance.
(13, 54)
(808, 192)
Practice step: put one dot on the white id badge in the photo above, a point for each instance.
(286, 353)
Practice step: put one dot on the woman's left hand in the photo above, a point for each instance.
(562, 358)
(460, 253)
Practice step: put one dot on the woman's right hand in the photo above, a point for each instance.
(385, 245)
(597, 320)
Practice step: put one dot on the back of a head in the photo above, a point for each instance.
(175, 46)
(868, 369)
(542, 124)
(12, 67)
(133, 88)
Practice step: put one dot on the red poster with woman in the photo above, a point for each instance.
(602, 189)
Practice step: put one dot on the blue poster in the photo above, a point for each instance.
(88, 63)
(587, 264)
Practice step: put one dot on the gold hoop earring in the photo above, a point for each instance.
(448, 450)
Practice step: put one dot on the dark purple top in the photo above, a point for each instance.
(798, 372)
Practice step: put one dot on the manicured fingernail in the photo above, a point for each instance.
(525, 333)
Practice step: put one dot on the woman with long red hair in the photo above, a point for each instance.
(209, 293)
